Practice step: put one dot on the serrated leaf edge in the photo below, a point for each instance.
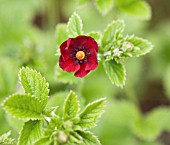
(20, 118)
(38, 73)
(68, 98)
(124, 80)
(89, 132)
(145, 40)
(76, 15)
(96, 101)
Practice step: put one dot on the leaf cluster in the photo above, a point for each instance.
(114, 47)
(42, 124)
(5, 139)
(137, 8)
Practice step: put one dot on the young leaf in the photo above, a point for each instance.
(24, 106)
(61, 34)
(43, 141)
(89, 138)
(139, 9)
(113, 32)
(71, 106)
(32, 130)
(91, 114)
(34, 84)
(5, 139)
(141, 46)
(104, 6)
(75, 138)
(75, 26)
(116, 72)
(95, 35)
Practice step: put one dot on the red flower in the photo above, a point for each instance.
(79, 55)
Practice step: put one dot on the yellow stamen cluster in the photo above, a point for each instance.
(80, 55)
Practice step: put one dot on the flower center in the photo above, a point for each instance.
(80, 55)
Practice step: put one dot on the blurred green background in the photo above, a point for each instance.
(138, 114)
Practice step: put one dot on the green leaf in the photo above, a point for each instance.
(116, 72)
(163, 115)
(43, 141)
(61, 34)
(113, 32)
(75, 26)
(104, 6)
(75, 138)
(71, 106)
(95, 35)
(65, 77)
(145, 129)
(141, 46)
(139, 9)
(50, 111)
(24, 106)
(150, 126)
(57, 99)
(89, 138)
(34, 84)
(32, 130)
(5, 139)
(92, 112)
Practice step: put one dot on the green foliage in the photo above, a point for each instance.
(89, 138)
(91, 114)
(116, 72)
(71, 106)
(145, 129)
(61, 34)
(139, 46)
(43, 141)
(35, 84)
(117, 48)
(121, 126)
(112, 33)
(32, 130)
(70, 127)
(24, 106)
(104, 6)
(5, 139)
(137, 8)
(148, 127)
(114, 48)
(75, 26)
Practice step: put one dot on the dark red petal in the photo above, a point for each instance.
(81, 40)
(87, 41)
(81, 72)
(92, 63)
(91, 44)
(68, 65)
(64, 49)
